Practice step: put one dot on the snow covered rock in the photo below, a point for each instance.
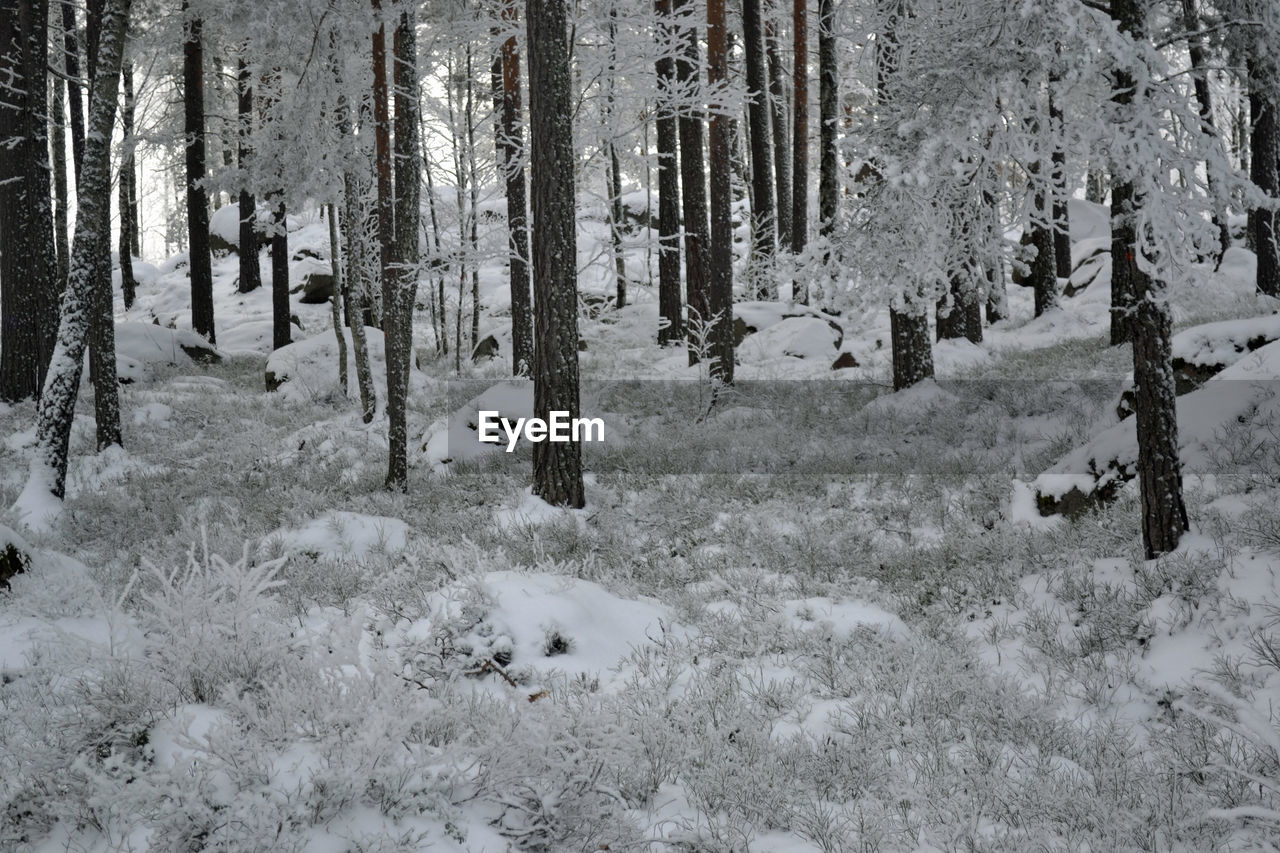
(315, 277)
(797, 337)
(224, 229)
(343, 535)
(1094, 473)
(752, 317)
(308, 369)
(1203, 351)
(142, 345)
(457, 438)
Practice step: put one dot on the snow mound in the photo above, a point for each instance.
(797, 337)
(1202, 351)
(344, 536)
(307, 370)
(225, 224)
(141, 346)
(1096, 471)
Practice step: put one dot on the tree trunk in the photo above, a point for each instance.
(1095, 186)
(92, 242)
(29, 261)
(779, 123)
(693, 176)
(763, 223)
(335, 302)
(474, 181)
(828, 104)
(912, 353)
(1164, 515)
(71, 55)
(1262, 171)
(128, 203)
(720, 284)
(1200, 78)
(1061, 192)
(357, 233)
(511, 153)
(281, 323)
(1044, 269)
(58, 161)
(615, 166)
(200, 264)
(670, 303)
(399, 300)
(250, 271)
(800, 136)
(1124, 201)
(557, 466)
(382, 157)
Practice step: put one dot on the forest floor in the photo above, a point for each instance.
(815, 616)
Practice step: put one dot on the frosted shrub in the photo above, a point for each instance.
(218, 626)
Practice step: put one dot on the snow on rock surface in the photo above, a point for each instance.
(224, 225)
(307, 370)
(140, 346)
(1097, 469)
(1201, 351)
(797, 337)
(344, 535)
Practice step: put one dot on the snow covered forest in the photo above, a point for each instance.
(934, 346)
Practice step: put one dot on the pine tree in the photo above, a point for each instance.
(763, 222)
(28, 252)
(382, 157)
(670, 303)
(250, 271)
(828, 105)
(200, 261)
(1264, 145)
(779, 122)
(720, 283)
(399, 299)
(128, 203)
(557, 467)
(693, 174)
(800, 136)
(92, 242)
(511, 163)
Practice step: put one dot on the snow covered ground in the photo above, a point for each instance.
(824, 617)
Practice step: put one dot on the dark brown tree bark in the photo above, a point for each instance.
(1124, 270)
(92, 244)
(511, 152)
(281, 323)
(1204, 101)
(670, 303)
(128, 196)
(75, 102)
(58, 161)
(779, 124)
(1044, 269)
(1061, 212)
(800, 135)
(693, 177)
(398, 300)
(828, 104)
(557, 467)
(763, 221)
(28, 251)
(197, 199)
(250, 271)
(720, 284)
(382, 154)
(1164, 515)
(1264, 149)
(615, 165)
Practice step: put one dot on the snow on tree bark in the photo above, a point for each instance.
(557, 466)
(250, 271)
(670, 302)
(511, 151)
(779, 124)
(128, 201)
(1264, 144)
(92, 240)
(693, 173)
(828, 104)
(720, 284)
(382, 155)
(800, 134)
(281, 324)
(1128, 18)
(399, 298)
(29, 262)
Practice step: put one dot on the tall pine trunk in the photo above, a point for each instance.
(29, 257)
(382, 157)
(58, 161)
(511, 163)
(693, 176)
(1204, 101)
(828, 105)
(200, 264)
(800, 136)
(92, 242)
(557, 466)
(1164, 515)
(128, 201)
(1061, 192)
(779, 125)
(281, 322)
(670, 303)
(720, 285)
(250, 271)
(400, 298)
(763, 221)
(75, 97)
(1264, 145)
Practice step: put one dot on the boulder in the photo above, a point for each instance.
(843, 361)
(316, 288)
(752, 317)
(1203, 351)
(797, 337)
(15, 556)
